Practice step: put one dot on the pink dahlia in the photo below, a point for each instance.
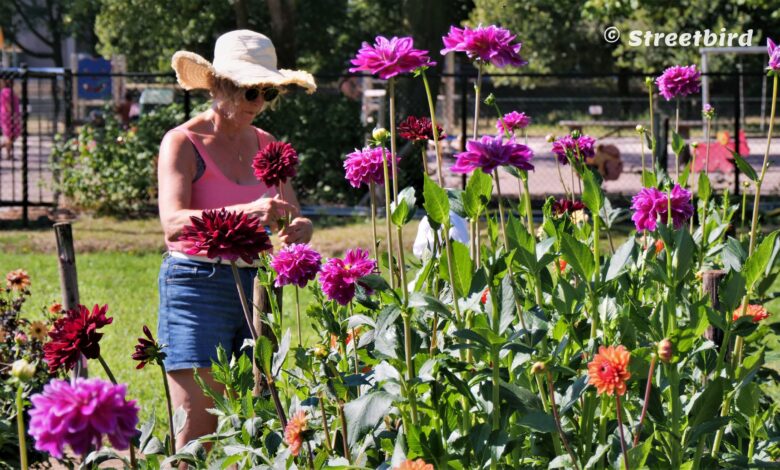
(679, 81)
(338, 277)
(650, 204)
(275, 163)
(581, 147)
(81, 415)
(418, 129)
(489, 153)
(365, 166)
(485, 43)
(73, 334)
(387, 58)
(513, 121)
(774, 55)
(227, 235)
(296, 264)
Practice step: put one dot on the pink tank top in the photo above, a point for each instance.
(214, 190)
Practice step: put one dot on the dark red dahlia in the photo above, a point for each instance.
(227, 235)
(418, 129)
(74, 333)
(566, 206)
(147, 350)
(275, 163)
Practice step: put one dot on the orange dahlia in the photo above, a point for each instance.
(758, 312)
(608, 370)
(39, 330)
(418, 464)
(293, 433)
(55, 308)
(17, 280)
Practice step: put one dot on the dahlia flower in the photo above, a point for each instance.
(227, 235)
(418, 464)
(566, 206)
(387, 58)
(38, 330)
(293, 432)
(489, 153)
(275, 163)
(75, 333)
(682, 208)
(581, 147)
(148, 350)
(608, 371)
(365, 166)
(758, 312)
(677, 81)
(338, 277)
(650, 204)
(17, 280)
(485, 43)
(296, 264)
(81, 416)
(774, 55)
(418, 129)
(513, 121)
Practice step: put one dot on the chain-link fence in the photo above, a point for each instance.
(42, 103)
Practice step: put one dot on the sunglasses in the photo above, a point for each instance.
(269, 93)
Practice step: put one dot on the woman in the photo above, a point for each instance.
(206, 163)
(10, 117)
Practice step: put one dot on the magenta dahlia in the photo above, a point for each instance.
(275, 163)
(485, 43)
(774, 55)
(338, 277)
(387, 58)
(296, 264)
(81, 415)
(677, 81)
(227, 235)
(512, 122)
(650, 204)
(365, 166)
(682, 207)
(418, 129)
(73, 334)
(581, 147)
(489, 153)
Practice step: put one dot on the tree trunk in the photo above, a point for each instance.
(242, 14)
(282, 14)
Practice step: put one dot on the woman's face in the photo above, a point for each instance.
(244, 104)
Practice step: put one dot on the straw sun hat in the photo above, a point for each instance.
(244, 57)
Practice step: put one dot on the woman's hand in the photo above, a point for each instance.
(270, 210)
(297, 231)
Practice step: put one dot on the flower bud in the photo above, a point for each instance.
(659, 246)
(20, 338)
(640, 128)
(575, 134)
(694, 144)
(538, 367)
(549, 138)
(746, 184)
(708, 111)
(380, 134)
(490, 99)
(649, 81)
(22, 370)
(665, 350)
(320, 351)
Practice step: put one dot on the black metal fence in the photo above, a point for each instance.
(607, 106)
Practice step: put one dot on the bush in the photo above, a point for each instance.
(110, 170)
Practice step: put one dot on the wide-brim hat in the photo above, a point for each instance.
(244, 57)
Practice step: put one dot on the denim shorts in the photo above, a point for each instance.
(199, 310)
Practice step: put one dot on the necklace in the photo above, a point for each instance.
(214, 130)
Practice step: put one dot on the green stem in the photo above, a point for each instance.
(424, 151)
(558, 425)
(244, 303)
(393, 151)
(108, 371)
(648, 388)
(477, 92)
(20, 426)
(677, 131)
(343, 419)
(375, 244)
(409, 366)
(325, 423)
(389, 243)
(434, 129)
(169, 409)
(652, 124)
(620, 427)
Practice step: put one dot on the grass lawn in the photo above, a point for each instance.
(118, 264)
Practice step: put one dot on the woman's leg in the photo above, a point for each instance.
(186, 393)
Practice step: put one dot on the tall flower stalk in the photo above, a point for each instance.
(674, 83)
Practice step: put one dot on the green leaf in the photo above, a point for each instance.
(744, 166)
(637, 456)
(621, 259)
(281, 354)
(462, 268)
(678, 143)
(538, 421)
(403, 207)
(374, 282)
(705, 190)
(264, 352)
(748, 398)
(578, 255)
(365, 413)
(649, 180)
(685, 174)
(706, 427)
(734, 255)
(756, 264)
(732, 291)
(683, 257)
(476, 197)
(707, 405)
(592, 196)
(437, 204)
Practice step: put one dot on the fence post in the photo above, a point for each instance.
(25, 116)
(69, 283)
(68, 96)
(711, 285)
(737, 96)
